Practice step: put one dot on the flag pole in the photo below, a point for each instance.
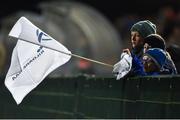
(74, 55)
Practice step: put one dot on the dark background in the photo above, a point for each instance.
(110, 8)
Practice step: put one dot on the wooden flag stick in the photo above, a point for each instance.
(74, 55)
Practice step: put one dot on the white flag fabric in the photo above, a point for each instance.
(31, 63)
(25, 30)
(123, 67)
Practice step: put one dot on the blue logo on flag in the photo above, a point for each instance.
(42, 36)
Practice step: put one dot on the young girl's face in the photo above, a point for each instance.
(149, 64)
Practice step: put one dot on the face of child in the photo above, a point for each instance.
(136, 39)
(149, 64)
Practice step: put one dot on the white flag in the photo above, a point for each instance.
(123, 67)
(31, 63)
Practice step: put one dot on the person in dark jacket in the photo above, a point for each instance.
(156, 41)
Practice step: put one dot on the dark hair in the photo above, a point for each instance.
(155, 41)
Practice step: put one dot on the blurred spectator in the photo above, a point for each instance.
(85, 67)
(164, 20)
(172, 33)
(174, 51)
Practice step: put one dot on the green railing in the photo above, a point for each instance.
(91, 97)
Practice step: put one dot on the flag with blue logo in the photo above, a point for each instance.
(31, 63)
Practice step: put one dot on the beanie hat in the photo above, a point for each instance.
(144, 28)
(155, 41)
(157, 55)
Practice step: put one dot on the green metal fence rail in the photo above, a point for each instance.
(92, 97)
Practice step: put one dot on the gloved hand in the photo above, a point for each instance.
(123, 67)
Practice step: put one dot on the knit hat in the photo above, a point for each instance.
(155, 41)
(157, 55)
(144, 28)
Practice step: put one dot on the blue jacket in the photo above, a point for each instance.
(138, 69)
(137, 65)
